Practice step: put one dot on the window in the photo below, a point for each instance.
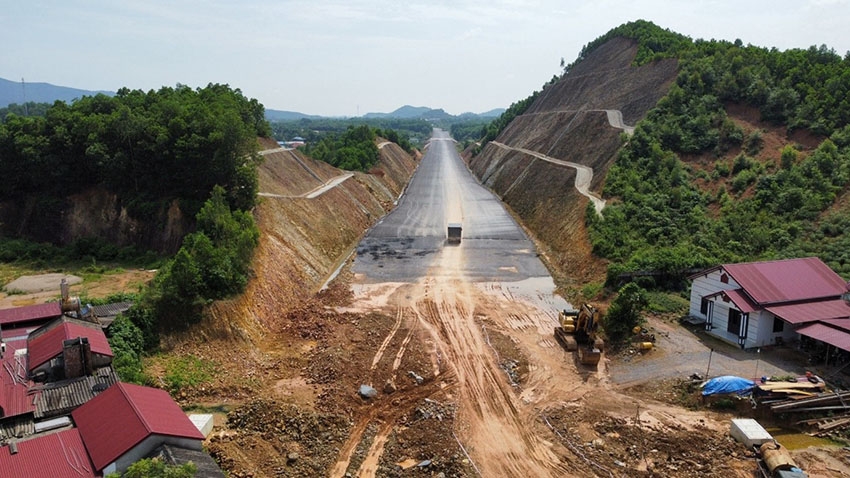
(724, 278)
(703, 306)
(778, 325)
(734, 323)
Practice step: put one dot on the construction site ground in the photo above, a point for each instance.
(291, 407)
(465, 379)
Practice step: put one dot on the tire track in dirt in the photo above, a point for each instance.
(497, 433)
(399, 315)
(386, 413)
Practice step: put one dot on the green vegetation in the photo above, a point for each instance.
(127, 343)
(665, 218)
(466, 132)
(156, 468)
(30, 108)
(213, 263)
(149, 148)
(654, 43)
(195, 146)
(187, 372)
(624, 313)
(89, 250)
(355, 149)
(407, 133)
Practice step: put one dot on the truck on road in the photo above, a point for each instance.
(454, 232)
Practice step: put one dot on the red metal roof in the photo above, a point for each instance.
(14, 397)
(30, 313)
(825, 333)
(811, 311)
(54, 454)
(787, 280)
(843, 324)
(737, 296)
(46, 343)
(118, 419)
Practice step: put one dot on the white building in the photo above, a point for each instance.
(774, 302)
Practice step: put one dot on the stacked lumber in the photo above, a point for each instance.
(831, 410)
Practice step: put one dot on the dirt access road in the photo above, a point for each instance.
(482, 313)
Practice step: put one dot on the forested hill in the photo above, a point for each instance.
(745, 155)
(138, 154)
(746, 158)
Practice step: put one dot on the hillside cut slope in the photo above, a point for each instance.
(304, 239)
(569, 121)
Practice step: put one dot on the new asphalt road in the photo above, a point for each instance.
(407, 244)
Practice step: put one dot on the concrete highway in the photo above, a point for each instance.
(407, 243)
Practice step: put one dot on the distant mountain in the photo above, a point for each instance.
(13, 92)
(487, 115)
(494, 113)
(423, 112)
(279, 115)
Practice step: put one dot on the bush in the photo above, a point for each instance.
(127, 343)
(624, 313)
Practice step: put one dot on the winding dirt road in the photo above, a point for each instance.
(584, 174)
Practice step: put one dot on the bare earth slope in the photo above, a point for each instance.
(304, 240)
(570, 122)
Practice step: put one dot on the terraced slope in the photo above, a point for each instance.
(569, 122)
(303, 240)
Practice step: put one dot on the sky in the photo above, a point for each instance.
(352, 57)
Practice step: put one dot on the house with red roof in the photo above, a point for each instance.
(32, 315)
(67, 348)
(774, 302)
(127, 422)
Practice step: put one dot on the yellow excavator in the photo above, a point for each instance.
(577, 331)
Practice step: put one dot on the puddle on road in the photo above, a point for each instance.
(794, 440)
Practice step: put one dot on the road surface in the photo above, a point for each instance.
(448, 297)
(405, 244)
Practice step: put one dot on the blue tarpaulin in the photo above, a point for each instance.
(727, 384)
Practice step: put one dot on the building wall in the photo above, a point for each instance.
(757, 323)
(706, 285)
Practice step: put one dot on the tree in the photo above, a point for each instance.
(624, 313)
(213, 263)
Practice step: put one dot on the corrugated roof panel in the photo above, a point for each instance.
(30, 313)
(43, 346)
(843, 324)
(825, 333)
(788, 280)
(811, 311)
(738, 297)
(135, 412)
(62, 397)
(14, 396)
(55, 454)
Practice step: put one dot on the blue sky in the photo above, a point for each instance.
(350, 57)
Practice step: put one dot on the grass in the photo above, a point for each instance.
(666, 303)
(187, 372)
